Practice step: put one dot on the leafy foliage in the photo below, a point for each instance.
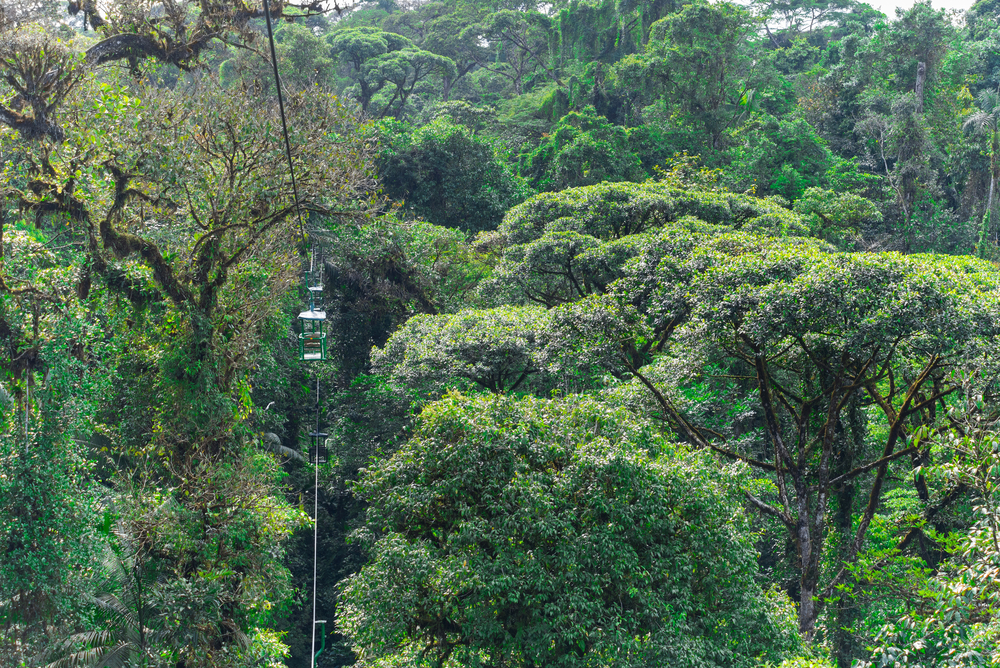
(582, 150)
(448, 175)
(664, 241)
(556, 533)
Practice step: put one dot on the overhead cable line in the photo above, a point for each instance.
(281, 108)
(320, 451)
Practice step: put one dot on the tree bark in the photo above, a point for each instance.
(918, 89)
(852, 445)
(994, 149)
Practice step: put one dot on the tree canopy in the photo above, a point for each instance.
(553, 533)
(652, 333)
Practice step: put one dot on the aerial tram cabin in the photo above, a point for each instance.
(318, 452)
(312, 337)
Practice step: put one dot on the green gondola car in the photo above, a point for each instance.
(312, 338)
(319, 453)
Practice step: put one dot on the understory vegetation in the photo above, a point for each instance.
(658, 333)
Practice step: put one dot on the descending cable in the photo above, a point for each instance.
(312, 652)
(27, 404)
(281, 108)
(312, 304)
(302, 229)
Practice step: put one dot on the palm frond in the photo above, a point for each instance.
(128, 625)
(87, 658)
(121, 615)
(242, 640)
(979, 121)
(6, 400)
(159, 636)
(117, 657)
(101, 638)
(989, 101)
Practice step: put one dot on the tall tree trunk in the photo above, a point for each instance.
(918, 89)
(852, 443)
(808, 610)
(994, 149)
(809, 548)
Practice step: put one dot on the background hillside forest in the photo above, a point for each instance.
(660, 333)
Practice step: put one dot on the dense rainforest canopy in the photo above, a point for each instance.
(658, 333)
